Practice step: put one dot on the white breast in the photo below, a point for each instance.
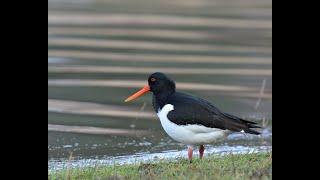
(189, 134)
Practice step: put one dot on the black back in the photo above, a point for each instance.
(193, 110)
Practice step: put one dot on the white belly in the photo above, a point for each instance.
(189, 134)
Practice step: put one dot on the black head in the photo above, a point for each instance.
(160, 83)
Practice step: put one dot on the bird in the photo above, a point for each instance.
(188, 119)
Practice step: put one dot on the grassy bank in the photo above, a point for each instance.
(247, 166)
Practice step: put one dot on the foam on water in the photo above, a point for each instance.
(54, 165)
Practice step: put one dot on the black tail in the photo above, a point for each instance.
(250, 131)
(244, 125)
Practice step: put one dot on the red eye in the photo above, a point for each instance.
(152, 79)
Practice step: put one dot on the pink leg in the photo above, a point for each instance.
(190, 152)
(201, 151)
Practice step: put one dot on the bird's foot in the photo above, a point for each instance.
(190, 153)
(201, 151)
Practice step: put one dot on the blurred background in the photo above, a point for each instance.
(101, 51)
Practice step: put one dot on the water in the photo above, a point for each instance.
(55, 165)
(150, 150)
(99, 52)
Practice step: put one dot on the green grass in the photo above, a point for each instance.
(246, 166)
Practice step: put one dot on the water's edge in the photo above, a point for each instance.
(55, 165)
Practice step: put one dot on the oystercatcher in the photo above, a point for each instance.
(188, 119)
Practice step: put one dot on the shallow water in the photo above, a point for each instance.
(99, 52)
(237, 143)
(56, 165)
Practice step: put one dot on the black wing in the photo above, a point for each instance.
(193, 110)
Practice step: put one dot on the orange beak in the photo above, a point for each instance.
(144, 90)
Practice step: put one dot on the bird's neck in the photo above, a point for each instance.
(161, 99)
